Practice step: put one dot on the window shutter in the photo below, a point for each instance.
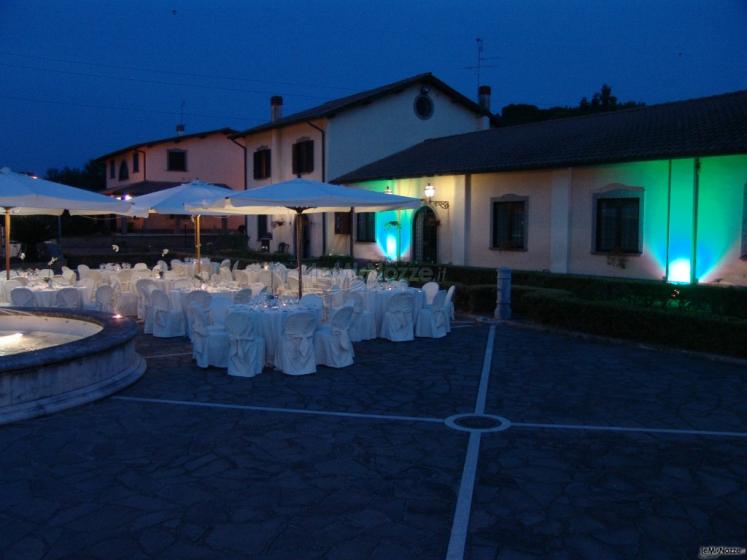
(296, 152)
(342, 223)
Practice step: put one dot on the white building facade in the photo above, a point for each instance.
(340, 136)
(657, 193)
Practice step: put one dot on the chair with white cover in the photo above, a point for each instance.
(332, 344)
(241, 277)
(432, 319)
(312, 300)
(224, 275)
(372, 278)
(334, 297)
(104, 299)
(83, 271)
(162, 266)
(143, 286)
(69, 275)
(397, 324)
(140, 266)
(246, 351)
(243, 296)
(363, 323)
(182, 284)
(68, 298)
(449, 307)
(225, 263)
(210, 343)
(22, 297)
(430, 289)
(167, 321)
(7, 287)
(258, 289)
(294, 354)
(196, 301)
(293, 283)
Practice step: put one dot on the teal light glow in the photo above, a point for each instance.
(679, 271)
(393, 228)
(389, 235)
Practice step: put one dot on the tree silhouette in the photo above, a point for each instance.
(601, 101)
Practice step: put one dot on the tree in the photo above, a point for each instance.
(92, 177)
(601, 101)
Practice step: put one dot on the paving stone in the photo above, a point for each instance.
(124, 479)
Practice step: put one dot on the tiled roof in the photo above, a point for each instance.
(714, 125)
(335, 106)
(226, 131)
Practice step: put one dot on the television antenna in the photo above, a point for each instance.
(481, 59)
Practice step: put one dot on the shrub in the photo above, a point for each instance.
(679, 328)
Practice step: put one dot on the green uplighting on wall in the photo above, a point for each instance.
(393, 227)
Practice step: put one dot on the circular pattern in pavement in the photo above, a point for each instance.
(471, 422)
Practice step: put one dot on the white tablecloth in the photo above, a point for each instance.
(377, 298)
(269, 322)
(47, 297)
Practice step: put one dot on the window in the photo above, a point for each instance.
(136, 162)
(112, 169)
(303, 157)
(261, 226)
(366, 227)
(124, 173)
(617, 224)
(510, 223)
(423, 106)
(262, 163)
(342, 223)
(176, 160)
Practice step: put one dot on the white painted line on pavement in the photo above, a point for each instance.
(673, 431)
(310, 412)
(460, 525)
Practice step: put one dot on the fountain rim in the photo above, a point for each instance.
(114, 332)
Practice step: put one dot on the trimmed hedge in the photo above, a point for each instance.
(705, 298)
(679, 328)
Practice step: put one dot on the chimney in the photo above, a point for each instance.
(483, 97)
(180, 130)
(276, 107)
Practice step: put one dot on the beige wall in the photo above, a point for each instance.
(214, 159)
(536, 186)
(560, 234)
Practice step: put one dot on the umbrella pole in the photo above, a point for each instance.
(298, 254)
(198, 244)
(7, 243)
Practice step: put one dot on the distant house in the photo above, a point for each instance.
(657, 192)
(343, 134)
(159, 164)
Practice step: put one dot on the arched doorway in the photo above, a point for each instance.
(425, 236)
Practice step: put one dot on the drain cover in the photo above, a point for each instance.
(478, 423)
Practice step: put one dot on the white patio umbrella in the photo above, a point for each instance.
(175, 201)
(299, 196)
(21, 194)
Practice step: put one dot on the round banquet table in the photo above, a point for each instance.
(377, 298)
(46, 297)
(269, 322)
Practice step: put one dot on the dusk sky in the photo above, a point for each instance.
(81, 78)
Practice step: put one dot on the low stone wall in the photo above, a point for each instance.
(59, 377)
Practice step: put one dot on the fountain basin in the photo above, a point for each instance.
(67, 358)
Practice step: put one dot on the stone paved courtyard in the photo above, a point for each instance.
(602, 451)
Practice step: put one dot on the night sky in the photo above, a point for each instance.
(84, 77)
